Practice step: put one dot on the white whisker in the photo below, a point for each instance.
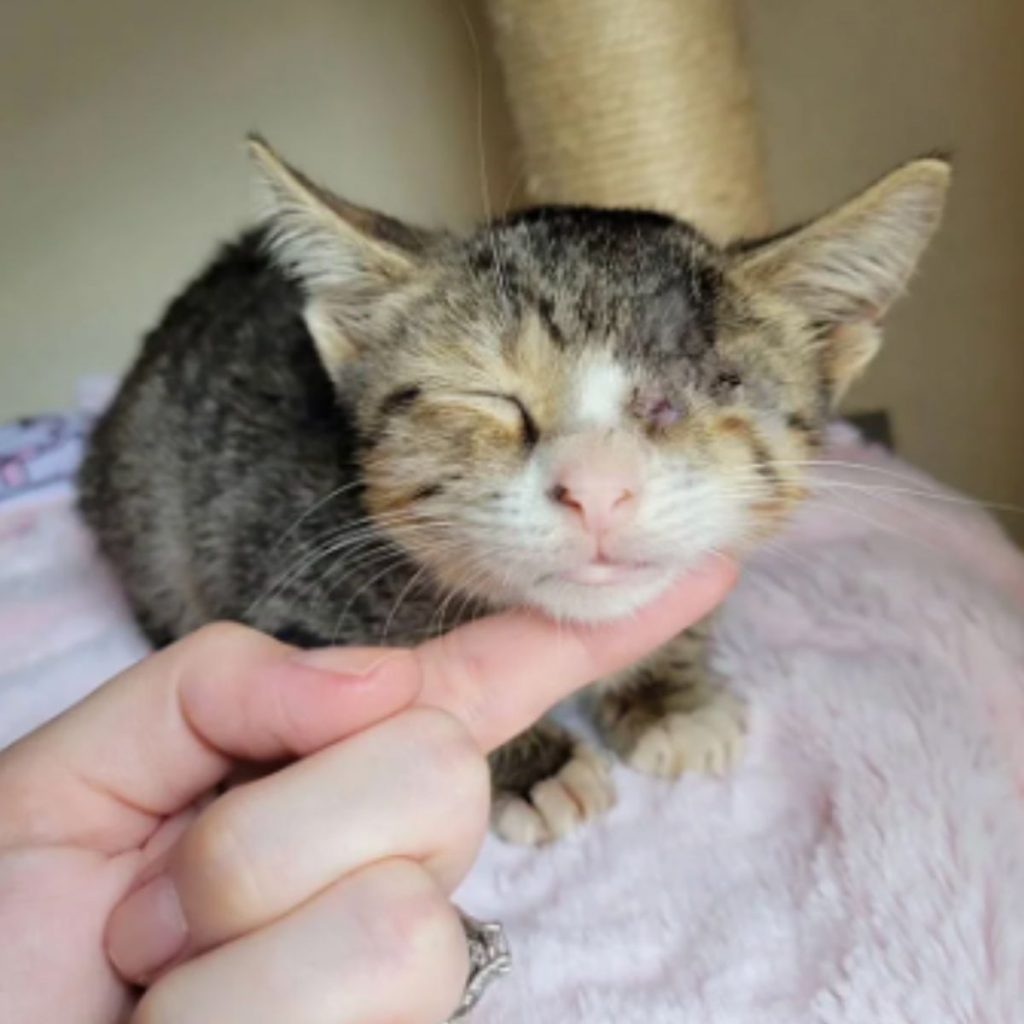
(485, 188)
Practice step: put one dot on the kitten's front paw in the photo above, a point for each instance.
(707, 739)
(580, 790)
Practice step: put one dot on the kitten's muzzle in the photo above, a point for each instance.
(597, 482)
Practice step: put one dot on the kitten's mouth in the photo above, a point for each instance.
(598, 590)
(602, 573)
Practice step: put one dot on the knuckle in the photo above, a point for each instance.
(212, 866)
(472, 790)
(451, 763)
(415, 938)
(443, 741)
(439, 961)
(460, 679)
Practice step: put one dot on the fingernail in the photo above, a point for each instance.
(354, 662)
(147, 931)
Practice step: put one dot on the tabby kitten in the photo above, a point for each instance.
(349, 430)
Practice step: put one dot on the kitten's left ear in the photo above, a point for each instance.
(344, 256)
(845, 269)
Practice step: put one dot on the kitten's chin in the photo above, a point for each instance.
(599, 601)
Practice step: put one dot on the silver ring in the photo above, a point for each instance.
(489, 958)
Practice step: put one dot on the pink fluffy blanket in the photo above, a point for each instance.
(865, 864)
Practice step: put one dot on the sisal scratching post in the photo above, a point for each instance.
(635, 103)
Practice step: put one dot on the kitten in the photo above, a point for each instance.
(349, 430)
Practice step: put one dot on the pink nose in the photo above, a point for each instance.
(602, 496)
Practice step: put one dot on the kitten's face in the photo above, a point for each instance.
(571, 408)
(577, 413)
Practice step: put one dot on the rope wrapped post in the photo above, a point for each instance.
(642, 103)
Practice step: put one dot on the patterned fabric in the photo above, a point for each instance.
(39, 455)
(38, 452)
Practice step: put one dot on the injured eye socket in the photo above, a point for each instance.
(658, 412)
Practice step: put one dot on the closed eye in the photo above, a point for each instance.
(529, 426)
(494, 403)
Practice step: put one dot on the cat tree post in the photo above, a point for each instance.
(639, 103)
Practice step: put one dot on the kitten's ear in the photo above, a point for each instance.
(845, 269)
(344, 255)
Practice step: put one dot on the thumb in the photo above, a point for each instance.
(165, 731)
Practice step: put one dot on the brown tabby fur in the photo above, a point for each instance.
(331, 433)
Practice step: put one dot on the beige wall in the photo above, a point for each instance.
(121, 163)
(848, 89)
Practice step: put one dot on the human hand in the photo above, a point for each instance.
(316, 893)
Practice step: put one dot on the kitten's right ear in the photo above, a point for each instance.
(343, 255)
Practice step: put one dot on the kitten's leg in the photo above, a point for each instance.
(670, 714)
(547, 783)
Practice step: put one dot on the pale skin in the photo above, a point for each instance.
(318, 892)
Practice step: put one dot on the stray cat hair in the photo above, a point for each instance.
(350, 430)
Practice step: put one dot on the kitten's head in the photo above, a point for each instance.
(570, 407)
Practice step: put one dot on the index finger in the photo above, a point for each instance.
(170, 727)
